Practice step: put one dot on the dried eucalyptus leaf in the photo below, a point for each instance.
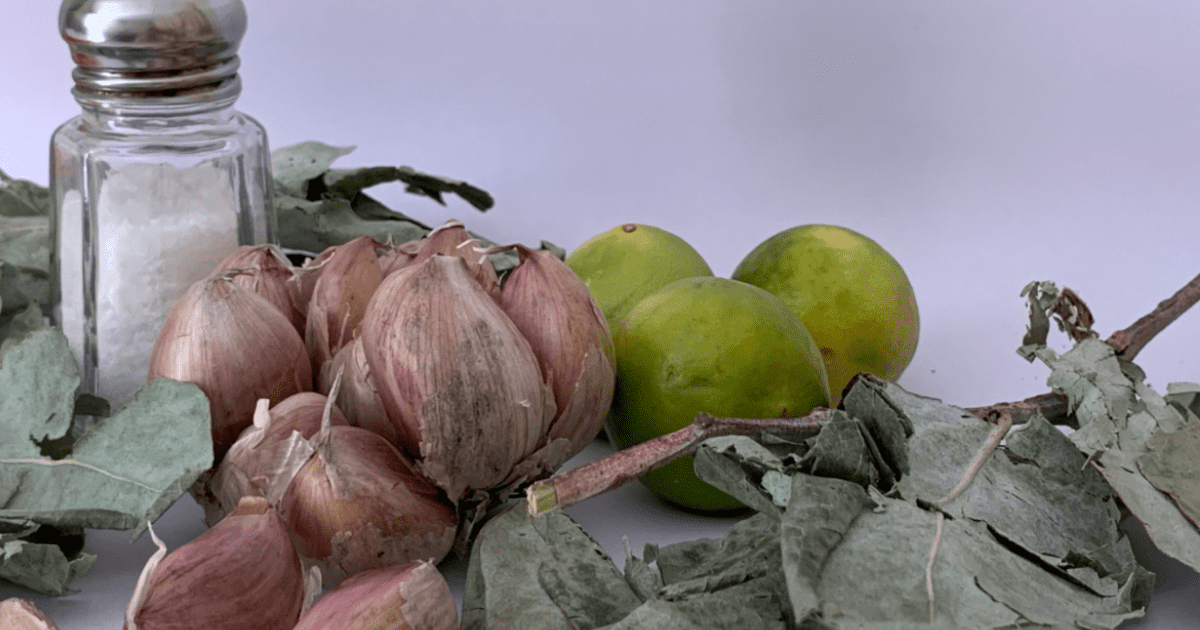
(1186, 398)
(736, 465)
(541, 573)
(1172, 463)
(39, 377)
(23, 198)
(312, 226)
(843, 449)
(819, 512)
(125, 471)
(877, 574)
(293, 167)
(1098, 393)
(15, 327)
(887, 424)
(42, 567)
(1167, 527)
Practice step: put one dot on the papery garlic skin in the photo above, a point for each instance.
(358, 504)
(22, 614)
(452, 239)
(339, 298)
(458, 380)
(266, 271)
(242, 573)
(555, 311)
(237, 348)
(402, 597)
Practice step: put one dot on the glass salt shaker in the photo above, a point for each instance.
(155, 182)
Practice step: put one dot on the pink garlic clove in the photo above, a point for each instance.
(237, 348)
(241, 573)
(266, 271)
(555, 311)
(411, 596)
(22, 614)
(339, 299)
(359, 504)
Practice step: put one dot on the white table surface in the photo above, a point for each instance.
(984, 144)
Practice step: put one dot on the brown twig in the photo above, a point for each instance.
(626, 465)
(1127, 343)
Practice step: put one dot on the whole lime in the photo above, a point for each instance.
(714, 345)
(852, 295)
(629, 262)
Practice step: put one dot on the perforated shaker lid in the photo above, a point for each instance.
(152, 45)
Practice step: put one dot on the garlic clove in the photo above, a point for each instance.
(237, 348)
(304, 279)
(359, 504)
(22, 614)
(457, 378)
(241, 573)
(345, 285)
(266, 271)
(555, 311)
(394, 257)
(411, 596)
(358, 396)
(452, 239)
(260, 461)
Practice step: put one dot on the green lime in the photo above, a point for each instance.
(852, 295)
(715, 345)
(629, 262)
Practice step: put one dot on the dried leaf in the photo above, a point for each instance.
(1172, 463)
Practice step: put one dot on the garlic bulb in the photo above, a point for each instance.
(357, 504)
(358, 398)
(555, 311)
(22, 614)
(237, 347)
(411, 596)
(260, 462)
(459, 382)
(339, 298)
(266, 271)
(241, 573)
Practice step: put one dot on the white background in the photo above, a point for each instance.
(984, 144)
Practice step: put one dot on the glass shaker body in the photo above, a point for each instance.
(150, 194)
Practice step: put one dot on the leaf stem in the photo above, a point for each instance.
(620, 468)
(1002, 425)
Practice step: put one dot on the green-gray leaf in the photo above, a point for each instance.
(126, 470)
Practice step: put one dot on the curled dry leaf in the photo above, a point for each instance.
(459, 382)
(358, 503)
(241, 573)
(411, 596)
(266, 271)
(236, 347)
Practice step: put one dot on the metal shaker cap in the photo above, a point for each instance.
(132, 46)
